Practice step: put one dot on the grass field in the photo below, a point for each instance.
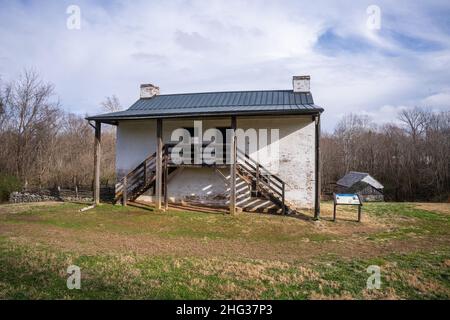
(136, 252)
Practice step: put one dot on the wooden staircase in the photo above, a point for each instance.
(137, 181)
(264, 185)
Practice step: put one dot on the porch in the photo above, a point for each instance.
(249, 185)
(256, 188)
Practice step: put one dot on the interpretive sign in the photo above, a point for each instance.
(347, 199)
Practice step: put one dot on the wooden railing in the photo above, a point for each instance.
(263, 180)
(133, 183)
(198, 149)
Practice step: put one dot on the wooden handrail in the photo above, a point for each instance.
(144, 163)
(203, 144)
(136, 178)
(265, 181)
(266, 184)
(257, 175)
(239, 151)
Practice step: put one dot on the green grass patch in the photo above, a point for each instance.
(37, 269)
(40, 273)
(132, 220)
(399, 209)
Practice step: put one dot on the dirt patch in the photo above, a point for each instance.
(434, 207)
(321, 296)
(19, 207)
(386, 294)
(94, 242)
(252, 236)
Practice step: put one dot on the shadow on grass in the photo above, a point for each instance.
(224, 211)
(301, 216)
(210, 210)
(355, 220)
(142, 206)
(82, 203)
(178, 207)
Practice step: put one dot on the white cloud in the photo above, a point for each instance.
(438, 101)
(188, 46)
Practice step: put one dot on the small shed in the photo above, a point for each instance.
(361, 183)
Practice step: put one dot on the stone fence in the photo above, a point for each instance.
(60, 194)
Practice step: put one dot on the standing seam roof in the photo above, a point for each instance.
(218, 102)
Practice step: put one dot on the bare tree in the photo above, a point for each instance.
(41, 143)
(2, 109)
(411, 160)
(32, 119)
(350, 129)
(111, 104)
(414, 119)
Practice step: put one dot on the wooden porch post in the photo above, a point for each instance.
(97, 158)
(159, 170)
(166, 179)
(124, 191)
(317, 169)
(233, 167)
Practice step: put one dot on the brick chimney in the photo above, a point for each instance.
(149, 91)
(301, 83)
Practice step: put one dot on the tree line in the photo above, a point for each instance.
(410, 157)
(42, 145)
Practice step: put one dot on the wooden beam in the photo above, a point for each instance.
(125, 191)
(97, 158)
(166, 179)
(233, 151)
(317, 170)
(159, 171)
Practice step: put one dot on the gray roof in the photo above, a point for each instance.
(217, 103)
(354, 177)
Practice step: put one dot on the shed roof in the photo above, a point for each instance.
(216, 104)
(354, 177)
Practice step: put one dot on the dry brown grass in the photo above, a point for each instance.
(232, 250)
(19, 207)
(88, 242)
(435, 207)
(307, 239)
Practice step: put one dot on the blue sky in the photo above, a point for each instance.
(194, 46)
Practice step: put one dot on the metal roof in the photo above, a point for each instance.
(217, 103)
(354, 177)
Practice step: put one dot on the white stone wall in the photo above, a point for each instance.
(297, 155)
(137, 140)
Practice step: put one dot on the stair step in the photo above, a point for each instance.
(258, 205)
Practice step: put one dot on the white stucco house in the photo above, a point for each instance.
(253, 150)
